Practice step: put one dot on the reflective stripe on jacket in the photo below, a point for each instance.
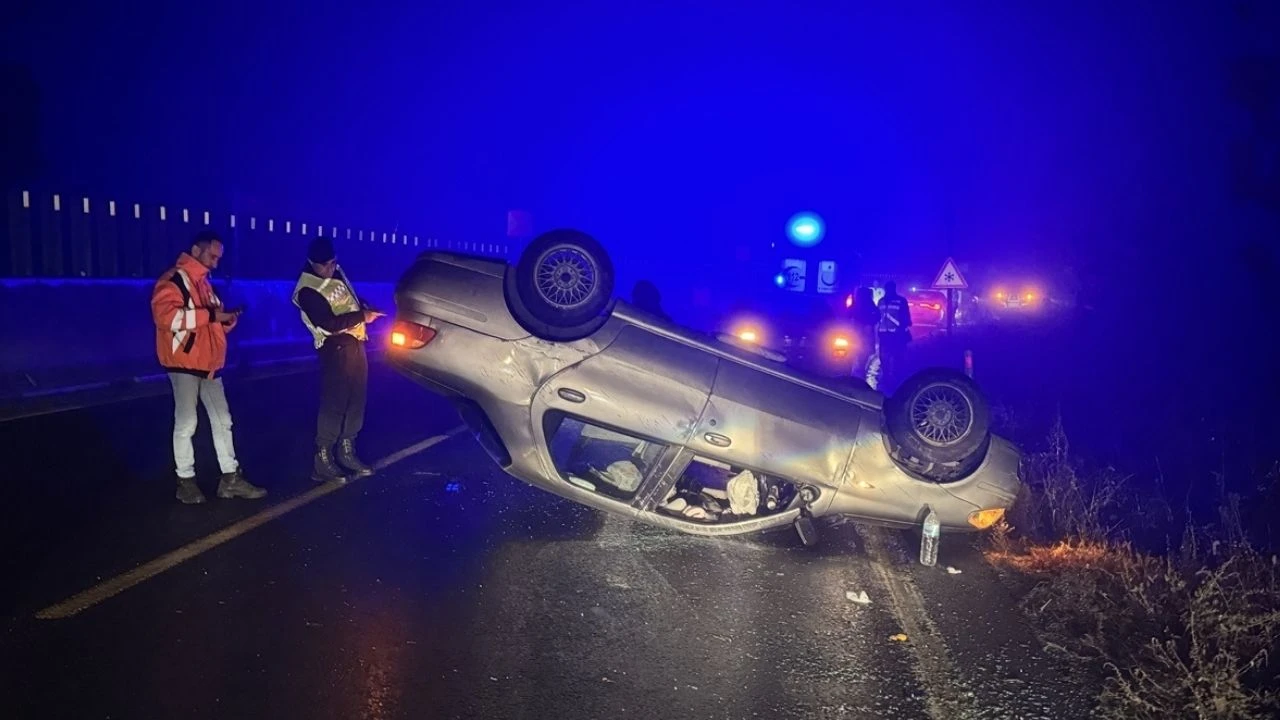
(183, 304)
(341, 298)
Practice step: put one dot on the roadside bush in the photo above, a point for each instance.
(1059, 502)
(1187, 634)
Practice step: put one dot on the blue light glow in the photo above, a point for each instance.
(805, 229)
(780, 280)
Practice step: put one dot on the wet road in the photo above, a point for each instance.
(443, 588)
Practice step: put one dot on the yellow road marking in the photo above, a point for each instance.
(118, 584)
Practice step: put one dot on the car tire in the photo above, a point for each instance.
(939, 424)
(561, 288)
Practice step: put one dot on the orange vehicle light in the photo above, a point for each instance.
(411, 336)
(983, 519)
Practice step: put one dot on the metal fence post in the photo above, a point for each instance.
(107, 227)
(51, 237)
(133, 244)
(158, 251)
(80, 238)
(19, 226)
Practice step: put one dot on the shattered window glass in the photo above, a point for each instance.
(602, 460)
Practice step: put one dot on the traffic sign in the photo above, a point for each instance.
(949, 277)
(827, 276)
(793, 274)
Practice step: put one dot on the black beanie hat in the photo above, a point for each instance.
(321, 250)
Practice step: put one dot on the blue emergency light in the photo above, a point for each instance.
(805, 229)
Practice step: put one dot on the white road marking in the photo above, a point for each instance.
(945, 696)
(118, 584)
(416, 448)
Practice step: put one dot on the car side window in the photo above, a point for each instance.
(602, 460)
(710, 491)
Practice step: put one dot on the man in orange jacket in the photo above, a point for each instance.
(191, 344)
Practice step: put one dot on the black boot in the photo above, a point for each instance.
(324, 469)
(188, 492)
(234, 485)
(347, 459)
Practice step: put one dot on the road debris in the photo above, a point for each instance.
(859, 597)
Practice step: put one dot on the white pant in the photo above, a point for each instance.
(187, 389)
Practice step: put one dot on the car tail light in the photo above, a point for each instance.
(983, 519)
(411, 336)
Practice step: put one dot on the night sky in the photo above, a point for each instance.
(1098, 135)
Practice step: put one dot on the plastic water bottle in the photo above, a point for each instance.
(929, 542)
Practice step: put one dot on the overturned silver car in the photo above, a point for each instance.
(592, 399)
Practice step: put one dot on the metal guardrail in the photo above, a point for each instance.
(56, 235)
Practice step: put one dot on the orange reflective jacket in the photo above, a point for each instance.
(188, 339)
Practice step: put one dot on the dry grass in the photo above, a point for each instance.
(1187, 635)
(1059, 501)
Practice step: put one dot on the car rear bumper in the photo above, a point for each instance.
(877, 490)
(995, 484)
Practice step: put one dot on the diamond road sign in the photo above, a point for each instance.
(949, 277)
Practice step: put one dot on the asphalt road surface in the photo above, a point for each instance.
(443, 588)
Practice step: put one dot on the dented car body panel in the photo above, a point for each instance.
(680, 397)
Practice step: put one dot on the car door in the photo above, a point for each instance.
(759, 420)
(639, 400)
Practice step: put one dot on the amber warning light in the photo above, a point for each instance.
(841, 346)
(411, 336)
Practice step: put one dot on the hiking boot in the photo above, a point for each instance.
(324, 470)
(189, 492)
(347, 459)
(233, 485)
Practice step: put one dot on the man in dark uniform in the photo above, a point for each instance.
(337, 320)
(893, 332)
